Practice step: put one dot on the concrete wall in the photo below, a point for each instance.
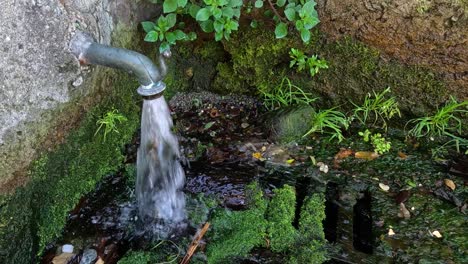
(43, 90)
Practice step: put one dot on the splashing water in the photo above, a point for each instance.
(160, 176)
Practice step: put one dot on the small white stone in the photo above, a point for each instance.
(67, 248)
(78, 82)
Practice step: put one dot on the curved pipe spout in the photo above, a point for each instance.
(149, 76)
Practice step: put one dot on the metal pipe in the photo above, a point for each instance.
(149, 76)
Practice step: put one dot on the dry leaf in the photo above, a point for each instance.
(367, 155)
(264, 149)
(390, 232)
(384, 187)
(99, 261)
(258, 155)
(436, 234)
(322, 167)
(343, 153)
(404, 213)
(62, 258)
(402, 155)
(450, 184)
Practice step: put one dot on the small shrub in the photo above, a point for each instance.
(312, 63)
(285, 94)
(330, 122)
(380, 144)
(377, 109)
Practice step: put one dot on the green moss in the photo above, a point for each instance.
(309, 246)
(139, 257)
(36, 214)
(280, 216)
(237, 233)
(288, 125)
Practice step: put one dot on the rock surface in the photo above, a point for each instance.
(433, 34)
(42, 87)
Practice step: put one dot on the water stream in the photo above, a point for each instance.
(160, 177)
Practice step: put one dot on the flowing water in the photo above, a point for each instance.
(160, 177)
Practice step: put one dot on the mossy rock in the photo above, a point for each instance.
(290, 125)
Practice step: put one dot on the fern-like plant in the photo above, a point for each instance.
(330, 122)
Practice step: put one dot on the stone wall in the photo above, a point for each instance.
(428, 33)
(43, 90)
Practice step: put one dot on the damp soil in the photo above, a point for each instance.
(226, 145)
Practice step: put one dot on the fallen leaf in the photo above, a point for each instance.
(402, 155)
(403, 212)
(99, 261)
(322, 167)
(209, 125)
(290, 161)
(402, 196)
(450, 184)
(245, 125)
(436, 234)
(384, 187)
(367, 155)
(312, 159)
(62, 258)
(390, 232)
(258, 155)
(264, 149)
(343, 153)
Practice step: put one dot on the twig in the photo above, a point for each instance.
(195, 243)
(276, 12)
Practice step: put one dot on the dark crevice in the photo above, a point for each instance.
(362, 224)
(302, 185)
(330, 223)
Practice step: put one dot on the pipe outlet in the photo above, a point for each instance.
(149, 76)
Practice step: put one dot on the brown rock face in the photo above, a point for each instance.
(429, 33)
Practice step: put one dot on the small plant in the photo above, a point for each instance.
(329, 121)
(376, 108)
(312, 63)
(444, 122)
(109, 122)
(285, 94)
(161, 31)
(380, 144)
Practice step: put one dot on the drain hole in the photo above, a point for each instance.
(362, 224)
(330, 223)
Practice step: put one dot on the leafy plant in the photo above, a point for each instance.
(162, 31)
(376, 108)
(300, 14)
(328, 121)
(285, 94)
(312, 63)
(445, 122)
(109, 122)
(222, 18)
(380, 144)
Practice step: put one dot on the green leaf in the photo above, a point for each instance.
(309, 7)
(235, 3)
(237, 12)
(193, 10)
(228, 12)
(169, 6)
(234, 25)
(290, 14)
(164, 46)
(218, 35)
(171, 20)
(254, 24)
(180, 35)
(181, 3)
(203, 14)
(217, 13)
(192, 36)
(218, 26)
(305, 35)
(281, 30)
(148, 26)
(299, 25)
(171, 38)
(207, 26)
(152, 36)
(209, 125)
(259, 3)
(280, 3)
